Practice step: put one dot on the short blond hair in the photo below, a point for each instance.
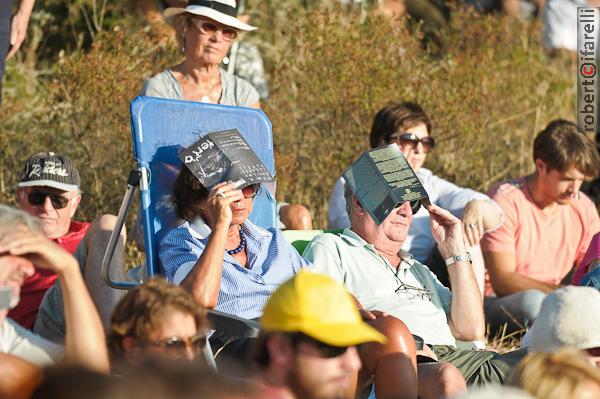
(555, 375)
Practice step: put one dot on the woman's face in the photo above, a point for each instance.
(415, 154)
(175, 326)
(241, 210)
(205, 46)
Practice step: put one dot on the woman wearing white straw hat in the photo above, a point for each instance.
(207, 29)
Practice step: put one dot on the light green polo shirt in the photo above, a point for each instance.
(377, 285)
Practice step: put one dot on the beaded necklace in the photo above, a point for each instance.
(239, 247)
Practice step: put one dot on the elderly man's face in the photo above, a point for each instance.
(396, 225)
(393, 229)
(46, 203)
(13, 272)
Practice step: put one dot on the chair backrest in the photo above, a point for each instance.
(160, 129)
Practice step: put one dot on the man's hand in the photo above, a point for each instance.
(371, 315)
(42, 251)
(447, 231)
(18, 32)
(427, 352)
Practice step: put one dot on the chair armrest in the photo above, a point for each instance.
(233, 325)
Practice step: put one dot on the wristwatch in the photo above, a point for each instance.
(466, 257)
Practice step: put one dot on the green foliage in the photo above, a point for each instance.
(488, 91)
(489, 88)
(83, 111)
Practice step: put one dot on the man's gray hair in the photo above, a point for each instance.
(348, 194)
(11, 217)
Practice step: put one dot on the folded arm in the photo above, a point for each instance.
(505, 280)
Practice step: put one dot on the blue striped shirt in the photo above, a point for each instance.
(244, 291)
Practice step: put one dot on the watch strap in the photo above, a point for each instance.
(466, 257)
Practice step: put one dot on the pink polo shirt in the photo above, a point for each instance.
(546, 246)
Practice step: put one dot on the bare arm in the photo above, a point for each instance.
(84, 340)
(505, 280)
(478, 217)
(204, 280)
(19, 377)
(466, 319)
(19, 24)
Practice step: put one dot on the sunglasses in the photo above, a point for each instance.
(38, 198)
(179, 345)
(326, 351)
(209, 28)
(411, 139)
(250, 191)
(593, 352)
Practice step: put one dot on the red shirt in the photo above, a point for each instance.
(35, 287)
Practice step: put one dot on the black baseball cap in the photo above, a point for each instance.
(50, 170)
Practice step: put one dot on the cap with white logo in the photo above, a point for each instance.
(50, 170)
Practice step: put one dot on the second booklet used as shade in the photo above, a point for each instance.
(224, 156)
(381, 179)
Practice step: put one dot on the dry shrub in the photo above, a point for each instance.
(83, 110)
(488, 90)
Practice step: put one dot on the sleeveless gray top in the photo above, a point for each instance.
(234, 90)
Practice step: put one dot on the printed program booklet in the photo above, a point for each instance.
(222, 156)
(381, 179)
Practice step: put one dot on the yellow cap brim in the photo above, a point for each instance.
(345, 334)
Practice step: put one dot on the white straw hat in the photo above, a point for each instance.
(222, 11)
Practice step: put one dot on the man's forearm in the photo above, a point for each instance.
(85, 341)
(492, 215)
(511, 283)
(468, 322)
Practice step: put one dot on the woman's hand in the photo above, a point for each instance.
(473, 222)
(447, 231)
(220, 198)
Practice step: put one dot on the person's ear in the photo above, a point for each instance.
(358, 209)
(131, 349)
(74, 203)
(540, 167)
(20, 195)
(281, 352)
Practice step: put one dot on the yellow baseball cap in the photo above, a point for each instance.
(319, 307)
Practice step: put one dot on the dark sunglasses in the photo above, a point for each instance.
(593, 352)
(250, 191)
(410, 138)
(181, 344)
(209, 28)
(38, 198)
(325, 350)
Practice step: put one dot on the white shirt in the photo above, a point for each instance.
(377, 285)
(560, 24)
(22, 343)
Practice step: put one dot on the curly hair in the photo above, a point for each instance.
(141, 310)
(553, 375)
(188, 195)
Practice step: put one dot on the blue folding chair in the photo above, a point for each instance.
(160, 129)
